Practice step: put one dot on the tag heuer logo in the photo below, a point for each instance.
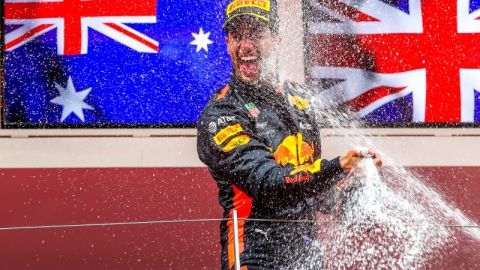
(212, 127)
(252, 109)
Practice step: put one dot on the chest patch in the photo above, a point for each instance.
(293, 150)
(226, 133)
(252, 110)
(299, 102)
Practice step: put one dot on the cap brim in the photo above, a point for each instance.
(263, 18)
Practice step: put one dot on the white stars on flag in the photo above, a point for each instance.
(201, 40)
(71, 100)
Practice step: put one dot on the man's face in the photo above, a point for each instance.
(251, 45)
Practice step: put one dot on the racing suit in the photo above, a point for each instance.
(262, 146)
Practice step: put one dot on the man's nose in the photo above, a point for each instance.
(247, 43)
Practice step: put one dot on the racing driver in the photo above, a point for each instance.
(261, 144)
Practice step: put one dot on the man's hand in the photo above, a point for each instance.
(353, 156)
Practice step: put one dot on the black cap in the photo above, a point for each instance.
(265, 10)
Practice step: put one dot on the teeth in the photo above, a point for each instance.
(248, 58)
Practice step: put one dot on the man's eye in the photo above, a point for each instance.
(235, 36)
(260, 34)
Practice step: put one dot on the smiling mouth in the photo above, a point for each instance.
(249, 66)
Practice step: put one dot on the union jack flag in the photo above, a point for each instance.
(73, 19)
(398, 60)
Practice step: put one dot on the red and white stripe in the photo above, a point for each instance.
(366, 17)
(107, 17)
(26, 33)
(126, 35)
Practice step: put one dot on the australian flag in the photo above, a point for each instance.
(397, 60)
(112, 62)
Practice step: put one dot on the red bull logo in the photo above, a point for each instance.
(297, 178)
(306, 153)
(293, 150)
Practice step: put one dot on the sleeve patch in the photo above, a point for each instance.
(226, 133)
(236, 142)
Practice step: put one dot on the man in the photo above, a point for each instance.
(261, 144)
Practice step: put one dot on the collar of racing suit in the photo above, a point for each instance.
(255, 92)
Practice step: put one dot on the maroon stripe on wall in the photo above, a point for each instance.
(102, 195)
(461, 187)
(77, 196)
(458, 185)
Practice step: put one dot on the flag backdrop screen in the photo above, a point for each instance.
(112, 61)
(397, 60)
(119, 62)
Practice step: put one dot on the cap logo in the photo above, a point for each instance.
(261, 4)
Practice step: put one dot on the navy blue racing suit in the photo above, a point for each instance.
(262, 147)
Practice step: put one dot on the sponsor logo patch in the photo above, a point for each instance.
(262, 4)
(212, 127)
(236, 142)
(226, 133)
(252, 109)
(305, 126)
(293, 150)
(225, 119)
(299, 102)
(297, 178)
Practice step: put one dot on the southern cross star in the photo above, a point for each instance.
(71, 100)
(201, 40)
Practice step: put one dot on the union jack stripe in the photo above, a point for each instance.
(366, 17)
(72, 19)
(366, 91)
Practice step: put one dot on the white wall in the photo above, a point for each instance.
(177, 147)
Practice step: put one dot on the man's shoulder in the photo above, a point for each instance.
(223, 112)
(221, 100)
(222, 93)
